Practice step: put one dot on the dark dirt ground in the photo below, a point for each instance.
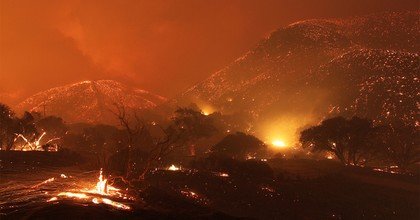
(299, 189)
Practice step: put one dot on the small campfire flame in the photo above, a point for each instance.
(101, 185)
(95, 195)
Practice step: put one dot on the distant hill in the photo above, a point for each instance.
(90, 101)
(311, 68)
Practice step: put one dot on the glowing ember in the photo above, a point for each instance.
(222, 174)
(52, 199)
(49, 180)
(115, 204)
(391, 169)
(63, 176)
(44, 182)
(250, 157)
(190, 194)
(194, 196)
(73, 195)
(268, 189)
(278, 143)
(329, 156)
(174, 168)
(95, 200)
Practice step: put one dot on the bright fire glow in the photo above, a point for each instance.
(206, 109)
(174, 168)
(278, 143)
(283, 128)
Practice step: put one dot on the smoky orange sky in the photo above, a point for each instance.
(164, 46)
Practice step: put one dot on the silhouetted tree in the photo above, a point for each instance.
(347, 139)
(361, 148)
(141, 147)
(7, 127)
(75, 142)
(102, 141)
(239, 146)
(135, 130)
(400, 144)
(26, 126)
(11, 126)
(193, 125)
(54, 127)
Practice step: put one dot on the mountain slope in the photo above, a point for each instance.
(379, 84)
(89, 101)
(292, 73)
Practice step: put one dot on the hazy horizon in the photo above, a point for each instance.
(162, 47)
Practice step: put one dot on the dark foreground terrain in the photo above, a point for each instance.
(297, 189)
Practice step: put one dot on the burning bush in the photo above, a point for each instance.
(240, 146)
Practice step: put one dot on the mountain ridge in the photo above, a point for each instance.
(281, 74)
(90, 101)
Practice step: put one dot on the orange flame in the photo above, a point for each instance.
(102, 188)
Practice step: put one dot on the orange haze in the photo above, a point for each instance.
(164, 46)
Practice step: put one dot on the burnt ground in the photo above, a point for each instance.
(302, 189)
(298, 189)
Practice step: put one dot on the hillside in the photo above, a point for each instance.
(90, 101)
(297, 72)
